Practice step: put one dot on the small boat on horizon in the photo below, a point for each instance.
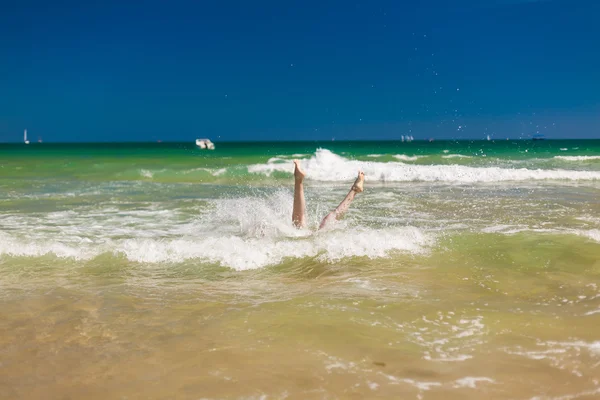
(25, 137)
(538, 137)
(205, 144)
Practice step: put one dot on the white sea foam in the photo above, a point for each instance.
(586, 395)
(577, 158)
(212, 171)
(234, 251)
(592, 347)
(424, 386)
(146, 173)
(560, 354)
(241, 233)
(327, 166)
(514, 229)
(593, 234)
(404, 157)
(471, 382)
(498, 228)
(14, 247)
(421, 385)
(456, 156)
(446, 338)
(537, 354)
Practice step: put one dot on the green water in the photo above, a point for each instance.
(175, 162)
(466, 270)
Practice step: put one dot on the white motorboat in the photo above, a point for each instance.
(205, 144)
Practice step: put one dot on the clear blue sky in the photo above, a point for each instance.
(296, 70)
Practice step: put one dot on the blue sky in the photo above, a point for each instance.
(287, 70)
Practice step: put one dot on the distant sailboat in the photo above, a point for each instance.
(488, 137)
(25, 137)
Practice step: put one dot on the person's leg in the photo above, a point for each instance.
(357, 187)
(298, 213)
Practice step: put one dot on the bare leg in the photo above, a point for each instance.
(357, 187)
(298, 213)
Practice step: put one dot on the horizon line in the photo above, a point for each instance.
(294, 141)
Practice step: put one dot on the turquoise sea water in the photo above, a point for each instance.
(466, 270)
(183, 162)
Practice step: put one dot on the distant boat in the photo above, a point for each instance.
(39, 139)
(205, 144)
(25, 137)
(488, 137)
(538, 137)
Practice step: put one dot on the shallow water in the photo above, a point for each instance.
(166, 272)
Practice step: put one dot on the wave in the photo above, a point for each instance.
(404, 157)
(456, 156)
(330, 167)
(146, 173)
(592, 234)
(239, 253)
(166, 173)
(212, 171)
(577, 158)
(240, 232)
(276, 159)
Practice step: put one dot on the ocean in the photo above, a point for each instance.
(465, 270)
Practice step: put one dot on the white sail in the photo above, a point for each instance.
(25, 137)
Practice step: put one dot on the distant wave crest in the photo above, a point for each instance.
(577, 158)
(327, 166)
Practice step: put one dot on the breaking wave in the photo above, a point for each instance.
(328, 166)
(234, 251)
(240, 233)
(577, 158)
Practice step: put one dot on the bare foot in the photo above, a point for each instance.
(358, 183)
(298, 172)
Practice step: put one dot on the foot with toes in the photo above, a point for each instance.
(359, 182)
(298, 172)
